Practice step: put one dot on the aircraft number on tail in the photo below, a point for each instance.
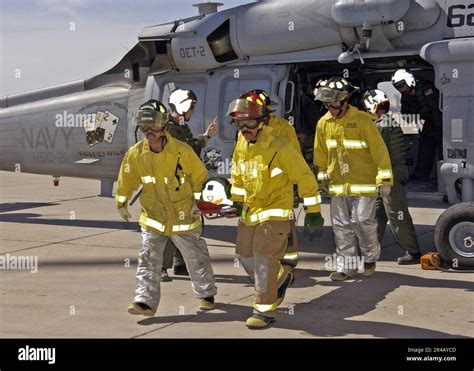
(459, 19)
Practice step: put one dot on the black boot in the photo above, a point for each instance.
(164, 275)
(180, 270)
(282, 289)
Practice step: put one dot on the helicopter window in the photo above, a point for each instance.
(220, 44)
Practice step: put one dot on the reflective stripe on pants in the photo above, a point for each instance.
(150, 260)
(355, 231)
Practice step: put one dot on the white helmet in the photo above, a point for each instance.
(403, 75)
(217, 191)
(181, 100)
(375, 100)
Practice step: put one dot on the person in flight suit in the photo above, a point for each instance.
(421, 98)
(182, 103)
(393, 208)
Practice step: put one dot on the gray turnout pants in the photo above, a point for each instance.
(150, 259)
(355, 232)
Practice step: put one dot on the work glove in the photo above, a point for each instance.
(238, 206)
(314, 223)
(384, 191)
(212, 129)
(232, 211)
(124, 214)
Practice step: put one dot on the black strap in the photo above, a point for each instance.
(272, 160)
(178, 168)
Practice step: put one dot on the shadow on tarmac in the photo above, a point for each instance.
(330, 314)
(28, 218)
(15, 206)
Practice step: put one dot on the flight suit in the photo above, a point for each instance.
(425, 102)
(395, 208)
(184, 134)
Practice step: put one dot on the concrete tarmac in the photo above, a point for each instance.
(87, 257)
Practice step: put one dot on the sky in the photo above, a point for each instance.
(48, 42)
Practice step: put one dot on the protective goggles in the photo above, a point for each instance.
(151, 120)
(249, 124)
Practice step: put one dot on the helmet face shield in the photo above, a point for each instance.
(401, 78)
(242, 109)
(375, 100)
(154, 120)
(327, 95)
(182, 100)
(183, 107)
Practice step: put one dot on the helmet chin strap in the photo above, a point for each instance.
(343, 105)
(262, 124)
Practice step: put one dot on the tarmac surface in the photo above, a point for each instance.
(87, 260)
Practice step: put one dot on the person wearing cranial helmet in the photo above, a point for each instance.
(354, 164)
(393, 208)
(420, 100)
(182, 103)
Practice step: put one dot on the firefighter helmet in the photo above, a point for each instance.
(333, 90)
(152, 115)
(262, 95)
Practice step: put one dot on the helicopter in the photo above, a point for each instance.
(83, 128)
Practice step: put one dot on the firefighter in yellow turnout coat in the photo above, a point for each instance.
(264, 169)
(172, 177)
(283, 129)
(354, 163)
